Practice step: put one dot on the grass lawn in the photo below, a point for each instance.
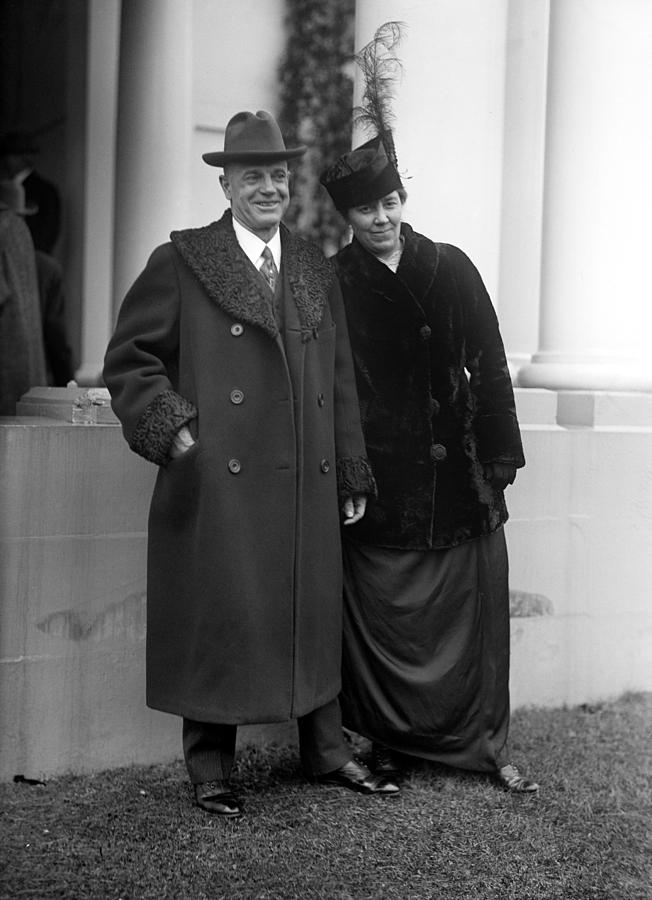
(134, 833)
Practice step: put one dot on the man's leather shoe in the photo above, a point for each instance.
(215, 797)
(357, 777)
(512, 780)
(385, 761)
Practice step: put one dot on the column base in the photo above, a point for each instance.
(89, 374)
(586, 376)
(515, 362)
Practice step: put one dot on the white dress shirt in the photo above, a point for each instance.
(253, 245)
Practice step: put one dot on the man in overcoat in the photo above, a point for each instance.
(230, 369)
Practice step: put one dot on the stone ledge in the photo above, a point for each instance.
(58, 403)
(594, 409)
(536, 406)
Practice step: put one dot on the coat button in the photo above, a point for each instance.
(325, 466)
(434, 407)
(438, 452)
(237, 329)
(425, 332)
(320, 399)
(234, 466)
(237, 396)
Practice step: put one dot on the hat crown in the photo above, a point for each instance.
(247, 132)
(252, 137)
(17, 143)
(361, 175)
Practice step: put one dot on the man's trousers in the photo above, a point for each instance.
(209, 748)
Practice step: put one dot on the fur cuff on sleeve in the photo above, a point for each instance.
(354, 476)
(154, 433)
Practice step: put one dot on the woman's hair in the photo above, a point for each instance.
(402, 193)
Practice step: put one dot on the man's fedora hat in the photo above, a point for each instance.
(252, 138)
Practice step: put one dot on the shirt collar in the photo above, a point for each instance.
(253, 246)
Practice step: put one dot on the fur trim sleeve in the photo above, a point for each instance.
(354, 476)
(154, 432)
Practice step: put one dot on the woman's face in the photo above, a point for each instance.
(377, 224)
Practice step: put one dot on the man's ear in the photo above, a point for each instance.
(226, 187)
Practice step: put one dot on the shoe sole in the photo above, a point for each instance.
(223, 815)
(359, 788)
(226, 814)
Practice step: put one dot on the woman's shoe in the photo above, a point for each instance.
(512, 780)
(384, 761)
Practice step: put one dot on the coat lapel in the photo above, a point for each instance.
(418, 265)
(228, 277)
(310, 277)
(409, 286)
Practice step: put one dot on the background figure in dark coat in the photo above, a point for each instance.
(18, 151)
(45, 224)
(58, 354)
(426, 629)
(22, 357)
(230, 368)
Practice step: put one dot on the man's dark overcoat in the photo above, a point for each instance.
(244, 567)
(436, 398)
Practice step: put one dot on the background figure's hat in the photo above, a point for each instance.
(361, 176)
(12, 196)
(252, 138)
(17, 143)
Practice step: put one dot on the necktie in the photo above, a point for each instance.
(268, 267)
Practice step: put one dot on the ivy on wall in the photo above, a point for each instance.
(316, 102)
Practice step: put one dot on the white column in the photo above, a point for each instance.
(101, 104)
(597, 228)
(449, 118)
(522, 190)
(154, 131)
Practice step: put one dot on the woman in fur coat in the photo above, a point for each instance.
(426, 635)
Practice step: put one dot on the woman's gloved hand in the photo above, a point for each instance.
(499, 475)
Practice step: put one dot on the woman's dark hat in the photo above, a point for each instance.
(361, 176)
(252, 138)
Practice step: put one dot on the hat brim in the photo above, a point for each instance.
(222, 157)
(24, 211)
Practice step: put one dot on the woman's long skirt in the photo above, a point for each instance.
(426, 650)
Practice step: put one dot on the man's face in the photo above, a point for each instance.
(259, 195)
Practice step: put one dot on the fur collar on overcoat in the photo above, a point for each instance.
(435, 394)
(214, 255)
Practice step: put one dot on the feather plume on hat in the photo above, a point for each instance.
(371, 170)
(380, 68)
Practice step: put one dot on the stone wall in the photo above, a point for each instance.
(73, 518)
